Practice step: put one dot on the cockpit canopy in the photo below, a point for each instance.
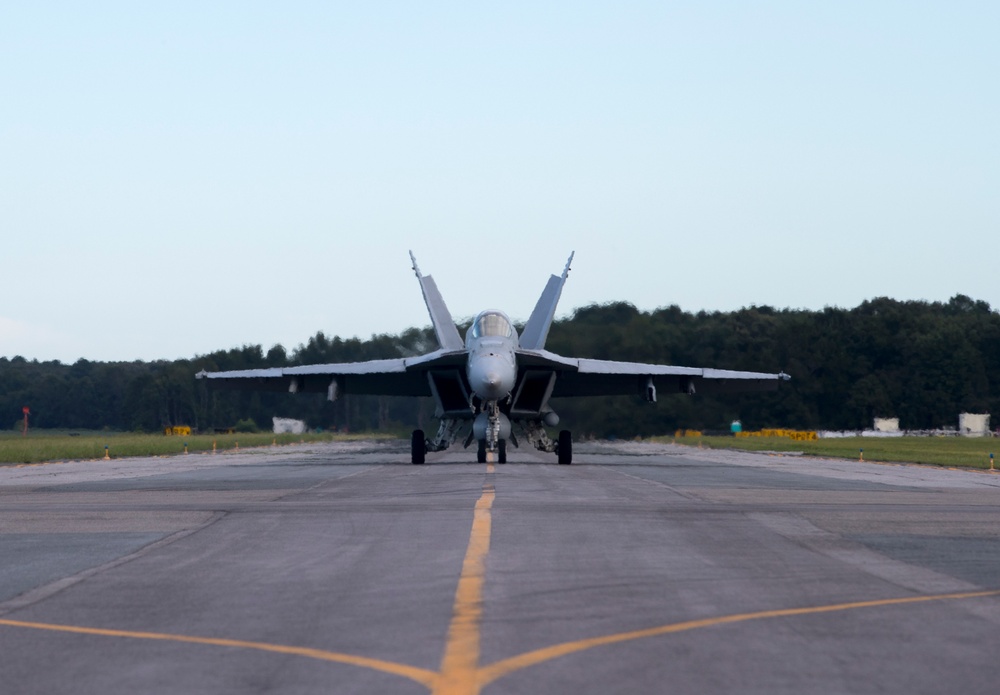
(490, 324)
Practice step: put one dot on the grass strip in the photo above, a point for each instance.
(959, 452)
(40, 446)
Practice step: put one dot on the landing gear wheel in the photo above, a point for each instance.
(565, 449)
(418, 447)
(481, 453)
(502, 451)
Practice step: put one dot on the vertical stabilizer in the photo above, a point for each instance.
(536, 330)
(444, 326)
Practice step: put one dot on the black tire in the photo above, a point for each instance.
(565, 449)
(502, 451)
(481, 452)
(418, 447)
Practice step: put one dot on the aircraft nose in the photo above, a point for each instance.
(489, 380)
(490, 385)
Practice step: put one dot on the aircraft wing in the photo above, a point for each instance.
(587, 377)
(404, 376)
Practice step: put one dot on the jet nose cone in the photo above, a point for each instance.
(490, 386)
(490, 379)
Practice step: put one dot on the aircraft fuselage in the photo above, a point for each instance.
(492, 372)
(491, 368)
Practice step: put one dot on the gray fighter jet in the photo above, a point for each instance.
(494, 379)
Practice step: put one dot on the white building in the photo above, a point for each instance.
(886, 424)
(283, 425)
(974, 425)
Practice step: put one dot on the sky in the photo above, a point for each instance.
(179, 178)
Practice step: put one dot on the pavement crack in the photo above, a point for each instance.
(40, 593)
(815, 539)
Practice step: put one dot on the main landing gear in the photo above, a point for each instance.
(418, 447)
(564, 449)
(539, 438)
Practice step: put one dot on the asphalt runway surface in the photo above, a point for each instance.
(342, 568)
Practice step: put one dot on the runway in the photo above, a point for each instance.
(640, 568)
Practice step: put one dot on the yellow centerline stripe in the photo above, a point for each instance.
(460, 672)
(420, 675)
(499, 669)
(484, 676)
(460, 663)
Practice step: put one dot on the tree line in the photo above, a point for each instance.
(923, 362)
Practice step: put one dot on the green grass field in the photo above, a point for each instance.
(40, 446)
(962, 452)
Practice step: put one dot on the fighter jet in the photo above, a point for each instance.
(494, 379)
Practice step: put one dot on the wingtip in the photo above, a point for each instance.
(413, 260)
(568, 263)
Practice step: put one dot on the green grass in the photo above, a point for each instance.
(41, 446)
(964, 452)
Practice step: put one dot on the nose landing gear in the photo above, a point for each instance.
(481, 453)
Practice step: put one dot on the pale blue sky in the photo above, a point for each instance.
(177, 178)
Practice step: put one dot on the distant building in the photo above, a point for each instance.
(974, 425)
(886, 424)
(285, 425)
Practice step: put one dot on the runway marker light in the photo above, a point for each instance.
(213, 446)
(237, 446)
(861, 454)
(185, 447)
(991, 462)
(107, 456)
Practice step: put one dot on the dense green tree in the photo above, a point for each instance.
(919, 361)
